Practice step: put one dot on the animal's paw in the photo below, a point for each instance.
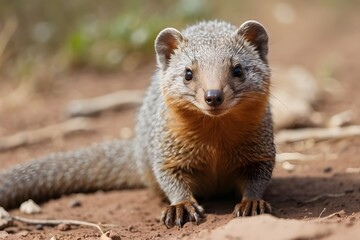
(249, 207)
(182, 212)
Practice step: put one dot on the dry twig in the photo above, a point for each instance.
(326, 195)
(317, 134)
(322, 212)
(7, 220)
(46, 133)
(352, 170)
(339, 214)
(295, 157)
(116, 100)
(56, 222)
(341, 119)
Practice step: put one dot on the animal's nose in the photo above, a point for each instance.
(214, 98)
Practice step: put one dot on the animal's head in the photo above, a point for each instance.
(214, 67)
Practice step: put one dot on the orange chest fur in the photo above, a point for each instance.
(207, 169)
(206, 151)
(204, 154)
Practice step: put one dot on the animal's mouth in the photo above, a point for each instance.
(215, 112)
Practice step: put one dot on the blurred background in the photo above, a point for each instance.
(41, 39)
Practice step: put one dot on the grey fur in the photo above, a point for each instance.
(213, 47)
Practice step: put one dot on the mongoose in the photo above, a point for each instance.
(204, 129)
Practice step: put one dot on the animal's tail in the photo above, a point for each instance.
(104, 166)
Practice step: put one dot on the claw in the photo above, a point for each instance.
(168, 217)
(251, 208)
(254, 208)
(246, 209)
(179, 213)
(268, 207)
(262, 208)
(197, 218)
(179, 222)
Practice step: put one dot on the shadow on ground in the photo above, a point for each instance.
(302, 197)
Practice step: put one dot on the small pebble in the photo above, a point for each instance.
(327, 169)
(132, 229)
(109, 235)
(39, 227)
(74, 203)
(53, 238)
(105, 236)
(288, 166)
(4, 223)
(30, 207)
(3, 234)
(63, 227)
(5, 219)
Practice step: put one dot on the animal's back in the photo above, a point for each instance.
(148, 132)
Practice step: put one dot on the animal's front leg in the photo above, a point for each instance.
(183, 206)
(252, 184)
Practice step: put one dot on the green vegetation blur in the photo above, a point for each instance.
(53, 36)
(42, 39)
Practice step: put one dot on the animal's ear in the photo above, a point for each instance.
(166, 42)
(253, 32)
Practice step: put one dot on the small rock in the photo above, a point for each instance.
(53, 238)
(63, 227)
(341, 119)
(30, 207)
(115, 237)
(3, 234)
(288, 166)
(75, 203)
(4, 213)
(39, 227)
(4, 223)
(352, 170)
(109, 235)
(327, 169)
(105, 236)
(132, 229)
(5, 219)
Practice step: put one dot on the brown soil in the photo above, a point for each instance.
(134, 213)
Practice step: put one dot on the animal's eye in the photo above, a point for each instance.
(237, 71)
(188, 75)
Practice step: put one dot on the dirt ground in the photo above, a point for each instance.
(314, 40)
